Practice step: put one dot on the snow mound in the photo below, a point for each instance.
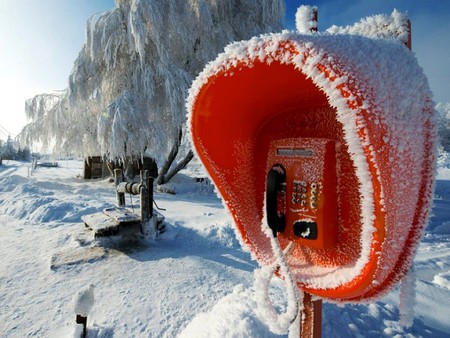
(443, 279)
(233, 316)
(11, 182)
(241, 313)
(44, 205)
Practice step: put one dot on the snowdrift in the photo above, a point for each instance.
(371, 98)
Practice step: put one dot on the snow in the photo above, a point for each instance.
(195, 280)
(84, 301)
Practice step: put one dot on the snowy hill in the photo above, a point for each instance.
(194, 280)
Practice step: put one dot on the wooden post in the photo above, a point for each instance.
(311, 317)
(82, 320)
(144, 193)
(87, 174)
(409, 42)
(314, 17)
(117, 180)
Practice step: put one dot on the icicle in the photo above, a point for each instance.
(407, 298)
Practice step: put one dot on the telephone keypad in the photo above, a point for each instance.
(301, 191)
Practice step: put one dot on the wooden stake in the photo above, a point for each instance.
(82, 320)
(311, 318)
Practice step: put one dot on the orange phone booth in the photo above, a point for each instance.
(330, 141)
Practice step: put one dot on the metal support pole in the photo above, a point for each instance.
(118, 178)
(145, 200)
(311, 317)
(150, 195)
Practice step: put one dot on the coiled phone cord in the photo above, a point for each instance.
(287, 321)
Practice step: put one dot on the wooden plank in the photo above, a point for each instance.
(75, 256)
(101, 224)
(122, 215)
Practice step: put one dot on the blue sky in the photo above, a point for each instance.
(40, 39)
(430, 21)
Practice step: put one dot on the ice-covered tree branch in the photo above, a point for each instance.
(127, 89)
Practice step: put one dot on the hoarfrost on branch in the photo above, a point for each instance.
(127, 89)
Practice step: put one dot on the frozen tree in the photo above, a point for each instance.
(128, 85)
(7, 150)
(394, 26)
(47, 116)
(444, 125)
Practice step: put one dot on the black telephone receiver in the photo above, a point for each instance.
(276, 182)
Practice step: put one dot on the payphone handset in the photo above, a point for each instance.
(301, 192)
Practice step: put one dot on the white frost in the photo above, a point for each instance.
(378, 26)
(304, 19)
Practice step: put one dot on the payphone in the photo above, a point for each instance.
(312, 148)
(301, 191)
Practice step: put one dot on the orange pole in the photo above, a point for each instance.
(311, 317)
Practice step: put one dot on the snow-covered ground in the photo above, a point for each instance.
(194, 280)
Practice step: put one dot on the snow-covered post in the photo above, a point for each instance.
(117, 180)
(306, 19)
(83, 303)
